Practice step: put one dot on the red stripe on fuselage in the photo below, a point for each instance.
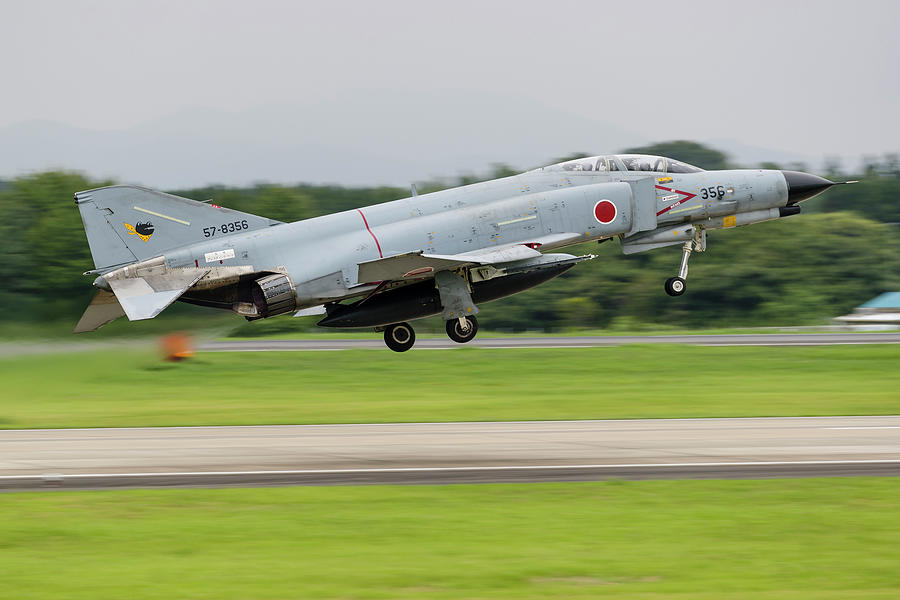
(366, 223)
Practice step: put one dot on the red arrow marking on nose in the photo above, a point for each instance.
(687, 196)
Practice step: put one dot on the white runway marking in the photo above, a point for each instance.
(587, 422)
(451, 469)
(869, 427)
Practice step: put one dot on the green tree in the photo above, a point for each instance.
(46, 249)
(805, 269)
(689, 152)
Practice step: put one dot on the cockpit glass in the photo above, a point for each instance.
(639, 162)
(581, 164)
(676, 166)
(632, 162)
(656, 164)
(593, 163)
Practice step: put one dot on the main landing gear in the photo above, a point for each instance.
(463, 329)
(675, 286)
(456, 300)
(400, 337)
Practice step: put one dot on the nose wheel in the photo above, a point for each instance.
(462, 330)
(399, 337)
(675, 286)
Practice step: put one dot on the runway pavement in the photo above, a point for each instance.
(753, 339)
(449, 452)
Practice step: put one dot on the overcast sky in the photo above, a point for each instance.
(808, 78)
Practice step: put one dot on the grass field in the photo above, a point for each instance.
(775, 539)
(131, 388)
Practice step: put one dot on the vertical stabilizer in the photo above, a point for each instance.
(127, 223)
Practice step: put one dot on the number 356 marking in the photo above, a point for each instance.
(712, 192)
(225, 228)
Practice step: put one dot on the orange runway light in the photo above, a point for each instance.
(176, 346)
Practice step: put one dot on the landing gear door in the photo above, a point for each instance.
(644, 207)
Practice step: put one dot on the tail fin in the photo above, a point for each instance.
(127, 223)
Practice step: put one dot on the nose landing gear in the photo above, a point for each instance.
(676, 286)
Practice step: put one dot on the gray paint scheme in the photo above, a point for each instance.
(470, 233)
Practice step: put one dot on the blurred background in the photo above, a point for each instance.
(293, 110)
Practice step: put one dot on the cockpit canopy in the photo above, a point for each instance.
(625, 162)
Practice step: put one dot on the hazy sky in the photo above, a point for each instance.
(812, 78)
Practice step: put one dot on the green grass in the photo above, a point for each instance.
(181, 317)
(706, 540)
(132, 388)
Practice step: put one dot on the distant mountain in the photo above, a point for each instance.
(369, 138)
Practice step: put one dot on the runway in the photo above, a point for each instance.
(750, 339)
(426, 453)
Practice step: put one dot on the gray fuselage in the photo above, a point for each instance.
(544, 204)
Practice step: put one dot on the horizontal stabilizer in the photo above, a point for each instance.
(418, 264)
(146, 297)
(103, 309)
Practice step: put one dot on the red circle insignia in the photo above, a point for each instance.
(605, 212)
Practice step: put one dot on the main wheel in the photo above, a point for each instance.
(399, 337)
(462, 332)
(675, 286)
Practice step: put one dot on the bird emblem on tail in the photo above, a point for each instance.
(142, 230)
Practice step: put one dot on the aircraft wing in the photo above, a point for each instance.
(146, 297)
(419, 264)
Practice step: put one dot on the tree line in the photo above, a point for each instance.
(843, 250)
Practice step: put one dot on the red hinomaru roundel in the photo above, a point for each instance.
(605, 212)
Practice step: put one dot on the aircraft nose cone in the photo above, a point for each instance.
(802, 186)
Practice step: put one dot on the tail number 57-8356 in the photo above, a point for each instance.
(225, 228)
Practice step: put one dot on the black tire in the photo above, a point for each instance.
(459, 335)
(399, 337)
(675, 286)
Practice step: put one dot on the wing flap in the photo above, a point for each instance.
(418, 264)
(406, 266)
(501, 254)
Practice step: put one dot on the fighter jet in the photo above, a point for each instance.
(441, 253)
